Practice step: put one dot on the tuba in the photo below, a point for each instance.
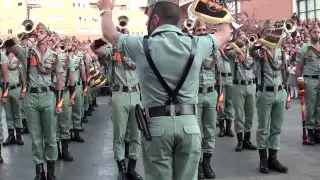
(123, 22)
(188, 24)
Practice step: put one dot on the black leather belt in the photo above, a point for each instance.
(271, 88)
(15, 86)
(206, 90)
(244, 82)
(175, 109)
(125, 89)
(226, 74)
(311, 76)
(39, 89)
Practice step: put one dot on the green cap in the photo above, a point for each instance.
(267, 25)
(153, 2)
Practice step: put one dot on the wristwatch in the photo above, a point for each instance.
(104, 11)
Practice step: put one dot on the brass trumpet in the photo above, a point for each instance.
(188, 24)
(123, 22)
(62, 47)
(289, 26)
(28, 26)
(252, 38)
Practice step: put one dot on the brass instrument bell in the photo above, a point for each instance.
(28, 26)
(62, 47)
(290, 26)
(188, 24)
(252, 38)
(123, 22)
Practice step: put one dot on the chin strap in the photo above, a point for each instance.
(5, 89)
(59, 100)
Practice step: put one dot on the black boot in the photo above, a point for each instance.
(1, 159)
(90, 110)
(247, 143)
(77, 136)
(65, 154)
(207, 170)
(131, 171)
(126, 148)
(40, 174)
(50, 170)
(263, 167)
(94, 103)
(311, 140)
(317, 136)
(222, 130)
(239, 146)
(200, 171)
(122, 170)
(85, 117)
(25, 129)
(229, 132)
(19, 136)
(274, 164)
(11, 139)
(59, 150)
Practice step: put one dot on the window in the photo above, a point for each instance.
(9, 17)
(308, 9)
(19, 4)
(95, 20)
(74, 4)
(78, 4)
(83, 5)
(54, 19)
(10, 31)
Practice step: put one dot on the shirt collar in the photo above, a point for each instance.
(167, 28)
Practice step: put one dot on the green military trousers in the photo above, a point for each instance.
(123, 116)
(40, 112)
(64, 119)
(175, 149)
(77, 108)
(271, 107)
(127, 136)
(1, 125)
(23, 114)
(227, 113)
(86, 101)
(207, 120)
(243, 100)
(312, 103)
(13, 109)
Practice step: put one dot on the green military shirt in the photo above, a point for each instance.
(311, 62)
(207, 77)
(72, 66)
(123, 75)
(244, 69)
(170, 51)
(271, 77)
(14, 73)
(224, 67)
(3, 59)
(78, 59)
(37, 79)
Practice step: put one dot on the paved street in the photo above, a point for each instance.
(94, 159)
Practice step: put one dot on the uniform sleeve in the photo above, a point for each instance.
(82, 64)
(207, 45)
(21, 55)
(88, 58)
(59, 68)
(4, 59)
(130, 46)
(301, 54)
(72, 64)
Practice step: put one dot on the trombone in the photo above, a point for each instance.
(123, 22)
(252, 38)
(188, 24)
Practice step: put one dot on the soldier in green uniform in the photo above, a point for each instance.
(13, 106)
(125, 96)
(64, 119)
(4, 94)
(175, 148)
(271, 96)
(81, 90)
(243, 91)
(207, 113)
(41, 65)
(226, 116)
(309, 65)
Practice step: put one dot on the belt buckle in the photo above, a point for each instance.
(39, 89)
(129, 89)
(276, 88)
(246, 82)
(204, 90)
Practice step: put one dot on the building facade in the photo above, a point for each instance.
(69, 17)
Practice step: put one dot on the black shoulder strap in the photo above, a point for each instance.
(171, 93)
(262, 68)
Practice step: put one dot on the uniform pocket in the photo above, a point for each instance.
(157, 145)
(192, 139)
